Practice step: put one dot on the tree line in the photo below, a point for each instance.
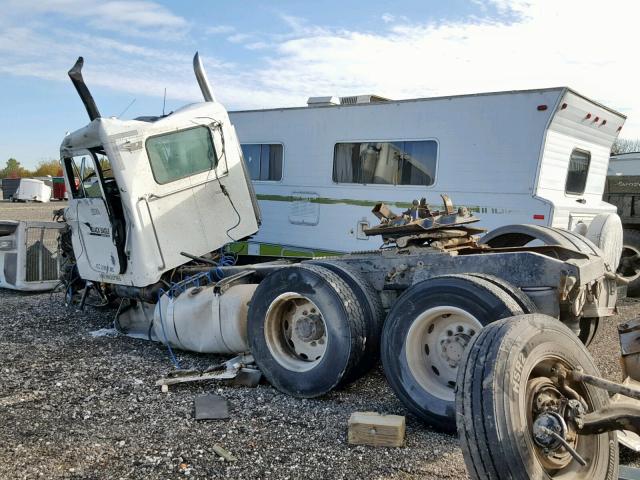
(625, 145)
(14, 169)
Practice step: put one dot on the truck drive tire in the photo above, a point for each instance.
(306, 330)
(521, 298)
(629, 266)
(425, 335)
(506, 383)
(373, 310)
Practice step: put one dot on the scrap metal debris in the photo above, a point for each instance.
(239, 370)
(211, 407)
(421, 225)
(12, 400)
(223, 453)
(629, 336)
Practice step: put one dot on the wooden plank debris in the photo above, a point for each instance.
(371, 428)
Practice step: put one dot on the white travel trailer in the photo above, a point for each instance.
(534, 156)
(32, 190)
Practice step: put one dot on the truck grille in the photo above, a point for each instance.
(42, 254)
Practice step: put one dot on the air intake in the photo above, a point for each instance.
(356, 99)
(352, 100)
(322, 101)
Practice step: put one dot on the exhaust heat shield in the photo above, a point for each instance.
(75, 74)
(203, 81)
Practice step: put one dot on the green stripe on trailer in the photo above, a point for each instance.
(328, 201)
(276, 250)
(370, 203)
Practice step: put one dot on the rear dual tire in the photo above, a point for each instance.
(307, 330)
(426, 333)
(372, 309)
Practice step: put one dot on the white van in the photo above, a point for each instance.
(533, 156)
(32, 190)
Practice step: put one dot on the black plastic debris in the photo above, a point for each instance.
(211, 407)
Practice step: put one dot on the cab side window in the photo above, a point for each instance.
(181, 154)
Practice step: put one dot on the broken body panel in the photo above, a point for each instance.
(29, 255)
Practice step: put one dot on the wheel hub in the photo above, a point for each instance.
(453, 348)
(309, 328)
(545, 423)
(548, 408)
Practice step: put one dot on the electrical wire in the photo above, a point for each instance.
(215, 124)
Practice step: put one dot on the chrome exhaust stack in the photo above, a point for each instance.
(75, 74)
(203, 81)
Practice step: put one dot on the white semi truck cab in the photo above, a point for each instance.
(144, 190)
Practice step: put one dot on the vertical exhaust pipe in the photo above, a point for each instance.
(75, 74)
(203, 81)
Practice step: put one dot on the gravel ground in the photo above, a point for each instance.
(73, 405)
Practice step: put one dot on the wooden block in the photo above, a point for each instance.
(371, 428)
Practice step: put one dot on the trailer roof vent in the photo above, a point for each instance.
(322, 101)
(355, 99)
(352, 100)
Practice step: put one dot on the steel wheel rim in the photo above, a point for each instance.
(295, 332)
(434, 347)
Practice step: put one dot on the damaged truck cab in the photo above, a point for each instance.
(142, 191)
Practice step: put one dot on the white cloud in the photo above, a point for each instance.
(388, 18)
(584, 45)
(239, 37)
(219, 30)
(257, 46)
(132, 17)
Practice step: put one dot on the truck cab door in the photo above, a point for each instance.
(95, 214)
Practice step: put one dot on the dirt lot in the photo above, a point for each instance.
(75, 405)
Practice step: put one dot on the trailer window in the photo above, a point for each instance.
(391, 163)
(578, 171)
(264, 160)
(181, 154)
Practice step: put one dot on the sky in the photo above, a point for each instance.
(262, 54)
